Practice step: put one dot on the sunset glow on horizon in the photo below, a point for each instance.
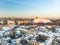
(30, 8)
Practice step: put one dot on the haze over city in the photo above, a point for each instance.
(30, 8)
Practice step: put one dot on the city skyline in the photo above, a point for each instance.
(30, 8)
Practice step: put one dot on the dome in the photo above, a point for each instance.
(41, 20)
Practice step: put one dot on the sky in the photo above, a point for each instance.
(30, 8)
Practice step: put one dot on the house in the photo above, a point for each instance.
(10, 23)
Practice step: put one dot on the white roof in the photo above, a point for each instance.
(6, 28)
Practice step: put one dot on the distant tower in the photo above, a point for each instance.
(36, 17)
(36, 20)
(5, 21)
